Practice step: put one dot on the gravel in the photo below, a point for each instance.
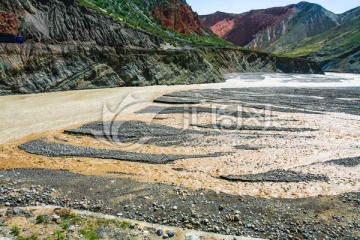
(195, 110)
(247, 147)
(51, 149)
(346, 162)
(278, 175)
(171, 100)
(291, 100)
(323, 217)
(252, 128)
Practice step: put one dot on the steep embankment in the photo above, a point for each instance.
(69, 46)
(303, 30)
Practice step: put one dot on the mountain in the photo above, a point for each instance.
(87, 44)
(304, 30)
(337, 49)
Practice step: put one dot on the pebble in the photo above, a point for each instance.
(170, 233)
(159, 232)
(72, 228)
(189, 226)
(190, 236)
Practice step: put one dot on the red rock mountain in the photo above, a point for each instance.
(263, 29)
(8, 23)
(10, 16)
(179, 17)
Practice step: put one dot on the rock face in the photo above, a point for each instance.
(220, 23)
(69, 46)
(8, 23)
(228, 60)
(179, 17)
(303, 30)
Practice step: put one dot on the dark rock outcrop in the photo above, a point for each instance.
(230, 60)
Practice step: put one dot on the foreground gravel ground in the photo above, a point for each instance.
(323, 217)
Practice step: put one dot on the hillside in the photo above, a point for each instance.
(337, 49)
(81, 45)
(172, 20)
(304, 30)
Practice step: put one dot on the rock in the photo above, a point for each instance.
(159, 232)
(190, 236)
(55, 217)
(72, 228)
(170, 233)
(174, 208)
(216, 229)
(189, 226)
(206, 221)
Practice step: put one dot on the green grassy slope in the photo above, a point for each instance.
(341, 43)
(137, 13)
(311, 18)
(330, 44)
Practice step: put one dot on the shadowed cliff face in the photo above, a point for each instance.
(69, 46)
(179, 17)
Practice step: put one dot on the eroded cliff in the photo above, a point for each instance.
(179, 17)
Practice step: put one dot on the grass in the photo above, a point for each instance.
(15, 230)
(89, 234)
(332, 43)
(65, 225)
(41, 219)
(31, 237)
(59, 235)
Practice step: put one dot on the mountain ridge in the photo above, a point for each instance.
(280, 30)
